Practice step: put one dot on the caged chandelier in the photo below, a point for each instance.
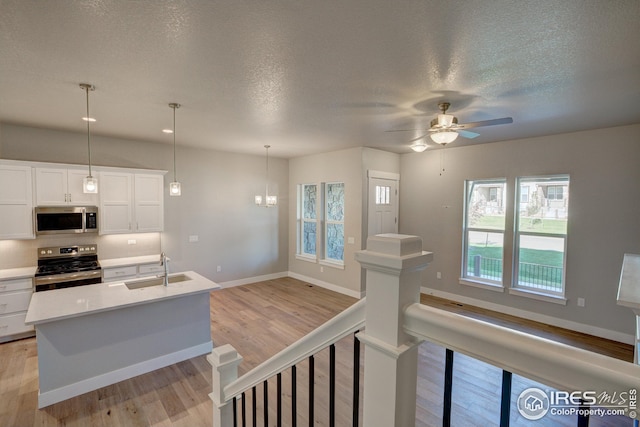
(269, 201)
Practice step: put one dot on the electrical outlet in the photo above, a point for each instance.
(219, 269)
(580, 302)
(439, 275)
(351, 240)
(321, 269)
(193, 238)
(131, 242)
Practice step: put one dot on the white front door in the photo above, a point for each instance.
(383, 203)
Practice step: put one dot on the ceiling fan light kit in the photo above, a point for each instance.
(444, 136)
(418, 146)
(444, 129)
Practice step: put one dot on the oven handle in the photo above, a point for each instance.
(67, 277)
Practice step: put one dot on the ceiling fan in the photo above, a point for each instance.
(445, 128)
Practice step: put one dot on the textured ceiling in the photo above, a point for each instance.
(309, 76)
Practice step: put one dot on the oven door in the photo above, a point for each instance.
(67, 280)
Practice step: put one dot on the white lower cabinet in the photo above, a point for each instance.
(15, 296)
(118, 274)
(150, 269)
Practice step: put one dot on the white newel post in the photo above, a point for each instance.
(393, 263)
(224, 360)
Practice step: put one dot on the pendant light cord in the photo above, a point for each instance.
(86, 88)
(174, 142)
(266, 190)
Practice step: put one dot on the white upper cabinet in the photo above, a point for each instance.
(149, 202)
(58, 186)
(131, 203)
(116, 209)
(16, 202)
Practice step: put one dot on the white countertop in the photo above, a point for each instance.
(629, 287)
(17, 273)
(122, 262)
(48, 306)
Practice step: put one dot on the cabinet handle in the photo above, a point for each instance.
(69, 197)
(3, 287)
(4, 326)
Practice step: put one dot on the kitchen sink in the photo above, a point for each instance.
(156, 281)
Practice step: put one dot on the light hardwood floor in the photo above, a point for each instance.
(259, 320)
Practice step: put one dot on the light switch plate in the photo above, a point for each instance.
(193, 238)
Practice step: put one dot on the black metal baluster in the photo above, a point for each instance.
(266, 403)
(294, 398)
(311, 389)
(244, 411)
(356, 379)
(254, 415)
(235, 412)
(583, 414)
(505, 399)
(279, 392)
(448, 388)
(332, 385)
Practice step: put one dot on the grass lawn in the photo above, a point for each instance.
(549, 226)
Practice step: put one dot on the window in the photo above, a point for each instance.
(382, 195)
(308, 221)
(334, 222)
(554, 192)
(524, 194)
(484, 224)
(541, 234)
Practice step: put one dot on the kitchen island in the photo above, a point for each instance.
(96, 335)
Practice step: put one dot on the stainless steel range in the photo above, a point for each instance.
(67, 266)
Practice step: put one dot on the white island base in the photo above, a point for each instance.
(137, 332)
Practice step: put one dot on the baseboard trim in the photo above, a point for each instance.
(327, 285)
(549, 320)
(248, 280)
(63, 393)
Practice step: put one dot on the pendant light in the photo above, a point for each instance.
(174, 187)
(269, 201)
(89, 184)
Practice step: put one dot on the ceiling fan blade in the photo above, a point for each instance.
(405, 130)
(467, 134)
(502, 121)
(420, 137)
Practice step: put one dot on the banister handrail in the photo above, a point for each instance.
(345, 323)
(551, 363)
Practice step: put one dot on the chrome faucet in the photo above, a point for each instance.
(164, 261)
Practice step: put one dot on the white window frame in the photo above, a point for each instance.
(465, 279)
(516, 287)
(325, 221)
(300, 253)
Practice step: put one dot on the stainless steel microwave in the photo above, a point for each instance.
(66, 219)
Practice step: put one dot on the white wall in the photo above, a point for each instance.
(348, 166)
(337, 166)
(604, 214)
(218, 190)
